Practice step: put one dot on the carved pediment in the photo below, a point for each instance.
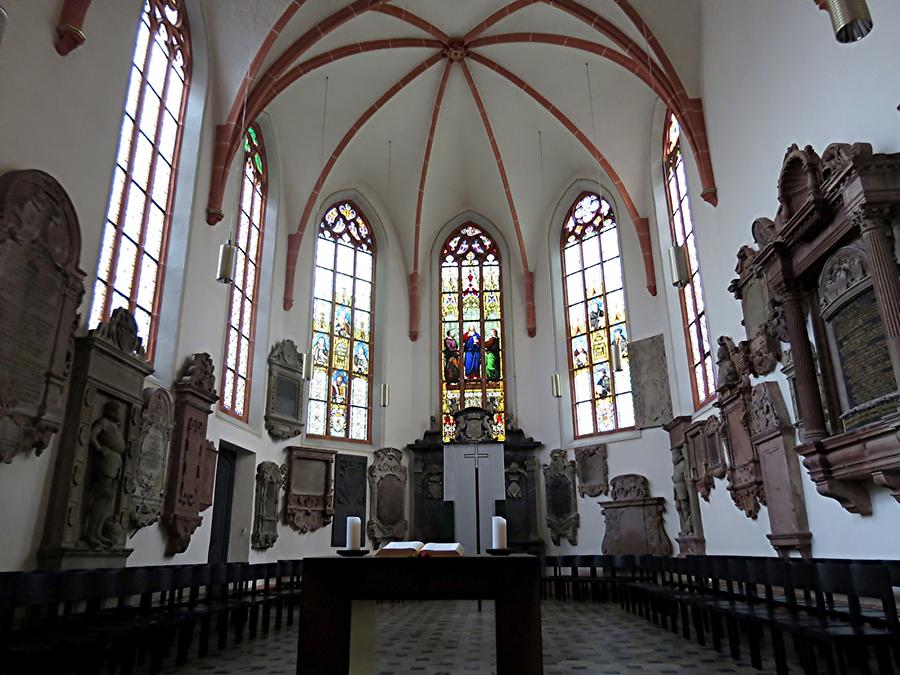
(846, 271)
(799, 180)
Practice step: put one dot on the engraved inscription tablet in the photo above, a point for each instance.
(349, 496)
(865, 365)
(40, 288)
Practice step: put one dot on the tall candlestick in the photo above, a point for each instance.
(498, 532)
(385, 395)
(354, 527)
(554, 386)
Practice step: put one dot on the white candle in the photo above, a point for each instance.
(498, 531)
(354, 527)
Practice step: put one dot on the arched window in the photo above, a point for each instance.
(595, 318)
(340, 391)
(135, 237)
(242, 299)
(472, 370)
(693, 307)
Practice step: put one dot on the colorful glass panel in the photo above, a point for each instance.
(595, 318)
(340, 392)
(132, 255)
(471, 307)
(693, 308)
(240, 332)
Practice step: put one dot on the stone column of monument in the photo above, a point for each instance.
(806, 385)
(87, 518)
(874, 223)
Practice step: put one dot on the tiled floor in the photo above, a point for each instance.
(452, 637)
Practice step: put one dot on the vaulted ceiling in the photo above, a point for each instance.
(440, 106)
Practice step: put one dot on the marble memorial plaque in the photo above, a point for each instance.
(650, 381)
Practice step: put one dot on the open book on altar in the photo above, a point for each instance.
(411, 549)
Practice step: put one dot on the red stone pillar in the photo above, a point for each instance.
(873, 223)
(806, 385)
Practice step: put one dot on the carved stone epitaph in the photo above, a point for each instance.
(634, 519)
(88, 514)
(284, 400)
(265, 512)
(387, 497)
(706, 459)
(349, 496)
(593, 470)
(192, 466)
(153, 456)
(309, 488)
(40, 289)
(650, 382)
(562, 505)
(473, 425)
(690, 533)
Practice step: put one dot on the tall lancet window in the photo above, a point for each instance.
(130, 272)
(242, 298)
(472, 364)
(340, 390)
(693, 307)
(595, 318)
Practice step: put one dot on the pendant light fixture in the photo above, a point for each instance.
(850, 18)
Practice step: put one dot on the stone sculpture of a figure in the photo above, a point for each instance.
(107, 453)
(682, 494)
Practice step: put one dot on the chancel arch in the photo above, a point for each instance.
(588, 279)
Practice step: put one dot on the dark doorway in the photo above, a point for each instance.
(223, 500)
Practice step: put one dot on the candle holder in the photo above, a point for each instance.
(498, 551)
(353, 552)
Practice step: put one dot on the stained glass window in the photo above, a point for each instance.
(135, 237)
(472, 368)
(242, 299)
(595, 318)
(340, 390)
(693, 307)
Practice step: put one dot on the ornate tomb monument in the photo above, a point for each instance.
(284, 400)
(562, 504)
(88, 514)
(265, 512)
(387, 498)
(650, 382)
(158, 418)
(634, 519)
(40, 289)
(192, 468)
(690, 534)
(593, 470)
(349, 495)
(309, 488)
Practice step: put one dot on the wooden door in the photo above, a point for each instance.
(222, 503)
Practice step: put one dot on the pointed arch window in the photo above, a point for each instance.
(693, 305)
(130, 272)
(340, 390)
(240, 331)
(595, 318)
(472, 357)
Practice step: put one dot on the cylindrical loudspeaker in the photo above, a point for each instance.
(850, 18)
(227, 263)
(678, 263)
(617, 356)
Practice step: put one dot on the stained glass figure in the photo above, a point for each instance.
(693, 308)
(242, 295)
(134, 244)
(595, 318)
(471, 308)
(340, 393)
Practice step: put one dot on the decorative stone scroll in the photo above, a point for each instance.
(706, 459)
(309, 488)
(690, 534)
(284, 401)
(562, 504)
(634, 519)
(593, 470)
(349, 496)
(158, 418)
(265, 514)
(773, 438)
(88, 512)
(387, 497)
(192, 468)
(650, 382)
(40, 289)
